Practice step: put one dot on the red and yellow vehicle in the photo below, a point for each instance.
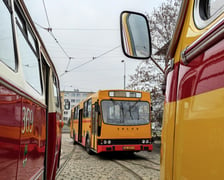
(192, 135)
(30, 109)
(113, 120)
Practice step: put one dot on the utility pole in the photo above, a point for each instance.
(123, 61)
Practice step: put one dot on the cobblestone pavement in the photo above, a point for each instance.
(77, 164)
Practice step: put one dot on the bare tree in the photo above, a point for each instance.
(148, 77)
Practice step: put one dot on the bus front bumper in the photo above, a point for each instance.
(134, 148)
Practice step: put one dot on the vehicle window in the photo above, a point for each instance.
(76, 113)
(56, 93)
(32, 40)
(206, 11)
(213, 6)
(87, 108)
(125, 112)
(7, 54)
(30, 62)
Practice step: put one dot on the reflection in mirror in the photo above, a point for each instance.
(135, 35)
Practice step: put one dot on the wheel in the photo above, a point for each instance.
(88, 149)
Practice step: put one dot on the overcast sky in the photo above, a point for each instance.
(85, 29)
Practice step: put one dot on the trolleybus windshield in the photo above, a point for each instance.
(125, 112)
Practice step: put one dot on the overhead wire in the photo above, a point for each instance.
(45, 10)
(49, 29)
(87, 62)
(85, 29)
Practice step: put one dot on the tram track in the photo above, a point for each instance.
(127, 163)
(67, 159)
(142, 165)
(137, 176)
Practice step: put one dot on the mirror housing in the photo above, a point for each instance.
(135, 35)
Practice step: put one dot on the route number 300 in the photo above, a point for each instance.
(27, 120)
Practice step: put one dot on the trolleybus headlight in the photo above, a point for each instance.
(109, 141)
(143, 141)
(147, 141)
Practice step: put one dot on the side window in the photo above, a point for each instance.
(28, 57)
(56, 93)
(7, 54)
(76, 113)
(87, 108)
(206, 11)
(213, 6)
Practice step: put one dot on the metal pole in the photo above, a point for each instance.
(123, 61)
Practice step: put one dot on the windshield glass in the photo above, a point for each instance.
(125, 112)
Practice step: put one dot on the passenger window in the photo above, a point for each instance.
(29, 62)
(206, 11)
(32, 41)
(213, 6)
(56, 93)
(7, 54)
(76, 113)
(87, 108)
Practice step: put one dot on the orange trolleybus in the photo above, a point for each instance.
(193, 124)
(30, 109)
(113, 120)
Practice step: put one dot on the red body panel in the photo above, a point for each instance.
(22, 152)
(10, 111)
(54, 144)
(203, 74)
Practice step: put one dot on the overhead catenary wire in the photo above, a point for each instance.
(69, 57)
(49, 29)
(89, 61)
(86, 29)
(45, 10)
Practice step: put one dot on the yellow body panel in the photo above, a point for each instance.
(119, 132)
(167, 141)
(193, 135)
(199, 140)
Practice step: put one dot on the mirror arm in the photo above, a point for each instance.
(161, 69)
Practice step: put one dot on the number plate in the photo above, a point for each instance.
(128, 147)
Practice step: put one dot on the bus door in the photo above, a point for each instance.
(80, 126)
(94, 126)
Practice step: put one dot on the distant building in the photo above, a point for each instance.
(70, 99)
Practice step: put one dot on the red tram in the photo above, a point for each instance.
(30, 108)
